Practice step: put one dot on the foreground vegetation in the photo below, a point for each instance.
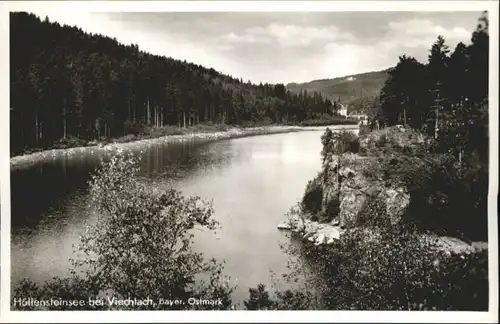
(141, 245)
(392, 269)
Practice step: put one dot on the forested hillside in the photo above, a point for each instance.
(68, 83)
(358, 91)
(446, 97)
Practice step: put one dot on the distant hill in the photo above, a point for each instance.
(357, 90)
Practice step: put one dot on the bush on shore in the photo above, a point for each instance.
(313, 197)
(445, 196)
(328, 122)
(140, 247)
(338, 143)
(381, 269)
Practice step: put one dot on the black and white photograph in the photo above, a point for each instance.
(195, 157)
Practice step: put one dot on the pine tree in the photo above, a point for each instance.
(438, 62)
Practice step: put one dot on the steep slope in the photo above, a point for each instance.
(357, 91)
(66, 83)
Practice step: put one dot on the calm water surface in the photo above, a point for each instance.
(252, 181)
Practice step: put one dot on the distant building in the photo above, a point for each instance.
(363, 119)
(359, 116)
(342, 110)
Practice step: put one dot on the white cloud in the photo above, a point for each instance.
(351, 58)
(334, 52)
(271, 51)
(245, 38)
(288, 35)
(422, 28)
(412, 37)
(418, 32)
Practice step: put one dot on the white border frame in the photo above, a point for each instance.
(245, 316)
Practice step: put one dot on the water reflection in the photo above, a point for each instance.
(187, 159)
(252, 182)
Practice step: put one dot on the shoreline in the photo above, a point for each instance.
(320, 234)
(28, 160)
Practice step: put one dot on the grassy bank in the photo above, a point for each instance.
(199, 133)
(335, 120)
(137, 134)
(138, 131)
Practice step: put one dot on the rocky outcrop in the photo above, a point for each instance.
(358, 194)
(346, 179)
(349, 191)
(397, 201)
(345, 182)
(312, 231)
(452, 245)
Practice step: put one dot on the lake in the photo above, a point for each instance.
(252, 181)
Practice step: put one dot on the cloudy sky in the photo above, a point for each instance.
(280, 47)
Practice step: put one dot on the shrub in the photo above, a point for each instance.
(326, 121)
(379, 266)
(346, 142)
(313, 197)
(141, 245)
(291, 300)
(67, 289)
(259, 299)
(126, 138)
(373, 214)
(445, 197)
(395, 139)
(68, 142)
(381, 141)
(266, 121)
(248, 124)
(135, 128)
(391, 269)
(105, 140)
(337, 143)
(363, 130)
(397, 270)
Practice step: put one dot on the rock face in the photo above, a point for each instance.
(346, 182)
(351, 194)
(452, 245)
(349, 184)
(397, 201)
(312, 231)
(355, 189)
